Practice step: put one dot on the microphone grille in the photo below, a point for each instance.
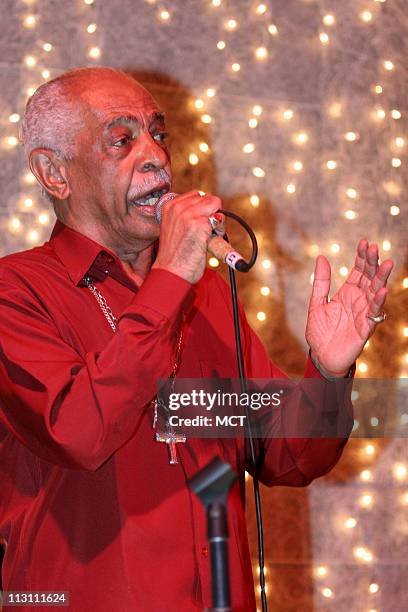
(161, 202)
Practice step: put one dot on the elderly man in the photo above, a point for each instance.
(90, 321)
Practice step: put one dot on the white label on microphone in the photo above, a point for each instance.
(232, 258)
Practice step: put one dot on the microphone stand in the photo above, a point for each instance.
(212, 485)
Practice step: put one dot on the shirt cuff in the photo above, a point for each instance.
(314, 369)
(164, 293)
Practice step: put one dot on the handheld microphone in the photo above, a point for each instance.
(217, 246)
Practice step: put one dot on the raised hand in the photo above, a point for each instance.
(338, 328)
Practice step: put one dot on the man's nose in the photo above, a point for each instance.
(151, 155)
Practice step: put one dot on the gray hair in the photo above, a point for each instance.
(52, 115)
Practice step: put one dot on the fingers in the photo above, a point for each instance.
(321, 281)
(194, 204)
(376, 304)
(357, 271)
(361, 255)
(371, 264)
(366, 265)
(382, 275)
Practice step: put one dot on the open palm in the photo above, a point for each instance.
(337, 329)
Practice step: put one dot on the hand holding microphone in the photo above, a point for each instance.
(191, 226)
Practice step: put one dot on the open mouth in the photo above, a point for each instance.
(149, 200)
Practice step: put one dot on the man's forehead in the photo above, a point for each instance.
(108, 97)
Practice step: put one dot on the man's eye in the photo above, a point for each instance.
(160, 137)
(121, 142)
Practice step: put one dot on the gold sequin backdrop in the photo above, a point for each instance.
(294, 111)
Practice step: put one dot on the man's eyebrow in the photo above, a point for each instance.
(127, 119)
(158, 116)
(122, 119)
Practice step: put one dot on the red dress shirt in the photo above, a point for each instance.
(89, 502)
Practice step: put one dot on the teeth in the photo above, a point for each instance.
(150, 200)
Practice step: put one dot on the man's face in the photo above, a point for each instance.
(121, 165)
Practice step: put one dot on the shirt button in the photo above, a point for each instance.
(106, 271)
(204, 551)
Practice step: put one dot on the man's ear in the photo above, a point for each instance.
(50, 172)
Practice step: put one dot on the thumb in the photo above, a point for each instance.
(321, 282)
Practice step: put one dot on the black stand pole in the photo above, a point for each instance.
(212, 485)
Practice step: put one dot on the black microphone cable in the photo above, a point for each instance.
(241, 370)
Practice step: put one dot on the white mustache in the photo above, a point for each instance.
(161, 177)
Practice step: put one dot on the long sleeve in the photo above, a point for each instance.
(77, 411)
(297, 447)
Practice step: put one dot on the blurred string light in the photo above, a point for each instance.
(363, 554)
(351, 136)
(261, 9)
(301, 138)
(288, 114)
(258, 172)
(327, 592)
(231, 25)
(366, 16)
(30, 21)
(261, 53)
(329, 19)
(366, 475)
(366, 500)
(272, 29)
(248, 148)
(193, 159)
(164, 15)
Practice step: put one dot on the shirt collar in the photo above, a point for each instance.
(76, 251)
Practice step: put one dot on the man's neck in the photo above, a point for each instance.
(136, 263)
(139, 266)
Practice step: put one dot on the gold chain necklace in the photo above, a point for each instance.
(169, 436)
